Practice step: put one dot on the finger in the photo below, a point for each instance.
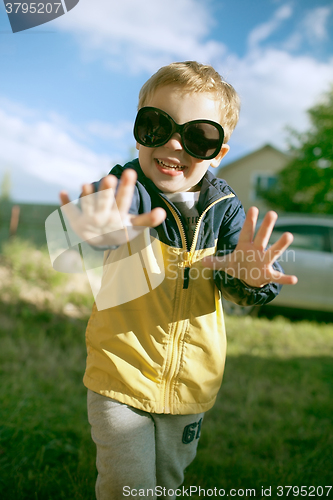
(264, 233)
(150, 219)
(64, 198)
(69, 209)
(283, 279)
(108, 182)
(87, 189)
(125, 190)
(87, 200)
(277, 249)
(247, 232)
(105, 196)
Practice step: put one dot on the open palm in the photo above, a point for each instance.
(251, 261)
(103, 218)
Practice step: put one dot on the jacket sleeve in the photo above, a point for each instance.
(234, 289)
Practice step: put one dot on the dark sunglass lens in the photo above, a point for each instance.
(202, 139)
(153, 128)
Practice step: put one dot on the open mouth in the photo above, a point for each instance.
(170, 166)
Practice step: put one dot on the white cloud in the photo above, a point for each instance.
(109, 131)
(311, 29)
(276, 85)
(263, 31)
(276, 89)
(315, 23)
(141, 36)
(47, 152)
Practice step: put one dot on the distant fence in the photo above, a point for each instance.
(25, 220)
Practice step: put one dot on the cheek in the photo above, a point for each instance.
(146, 160)
(199, 169)
(146, 153)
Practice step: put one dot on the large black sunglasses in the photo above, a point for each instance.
(200, 138)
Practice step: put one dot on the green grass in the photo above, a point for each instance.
(271, 425)
(45, 448)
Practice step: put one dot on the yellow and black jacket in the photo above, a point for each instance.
(164, 351)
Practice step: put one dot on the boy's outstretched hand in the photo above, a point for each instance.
(103, 217)
(251, 261)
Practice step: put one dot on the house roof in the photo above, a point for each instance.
(257, 152)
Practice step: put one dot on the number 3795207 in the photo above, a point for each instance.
(32, 8)
(304, 491)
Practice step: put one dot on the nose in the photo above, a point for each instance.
(175, 142)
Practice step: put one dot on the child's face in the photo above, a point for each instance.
(157, 163)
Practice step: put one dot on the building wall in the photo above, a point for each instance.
(242, 175)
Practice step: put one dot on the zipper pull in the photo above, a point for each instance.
(187, 267)
(186, 277)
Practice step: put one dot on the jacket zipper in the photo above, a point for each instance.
(187, 256)
(186, 264)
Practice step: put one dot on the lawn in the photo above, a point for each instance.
(271, 425)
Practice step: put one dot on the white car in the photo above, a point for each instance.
(310, 258)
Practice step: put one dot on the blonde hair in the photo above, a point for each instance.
(191, 76)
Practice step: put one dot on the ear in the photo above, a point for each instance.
(217, 160)
(137, 145)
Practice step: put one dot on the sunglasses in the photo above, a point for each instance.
(200, 138)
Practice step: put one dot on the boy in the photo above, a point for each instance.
(155, 363)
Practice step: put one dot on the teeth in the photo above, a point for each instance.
(168, 165)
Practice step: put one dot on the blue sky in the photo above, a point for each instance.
(68, 89)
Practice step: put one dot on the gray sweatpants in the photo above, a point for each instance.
(137, 450)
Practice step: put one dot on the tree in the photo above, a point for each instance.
(306, 182)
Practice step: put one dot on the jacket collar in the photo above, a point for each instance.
(211, 187)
